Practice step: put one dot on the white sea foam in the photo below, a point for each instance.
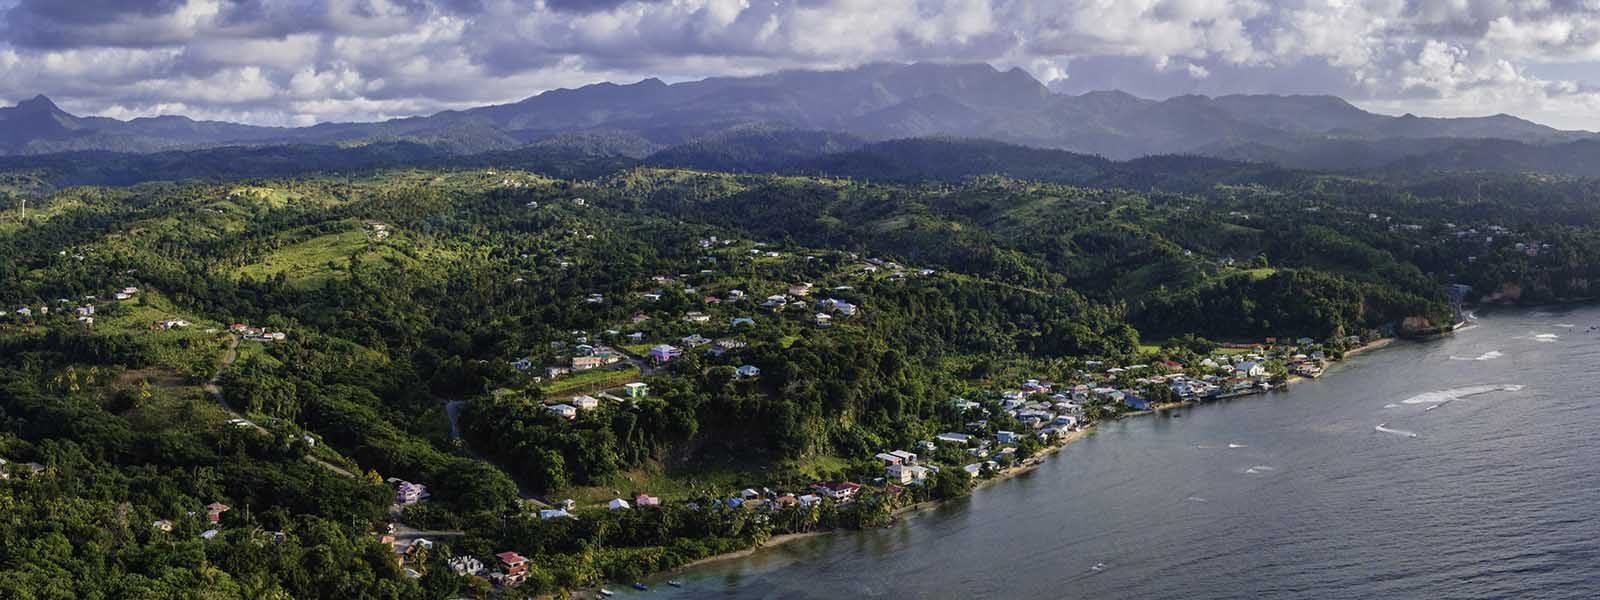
(1565, 325)
(1258, 469)
(1443, 396)
(1546, 337)
(1400, 432)
(1490, 355)
(1391, 405)
(1205, 447)
(1196, 499)
(1237, 446)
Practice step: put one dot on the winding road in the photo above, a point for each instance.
(215, 391)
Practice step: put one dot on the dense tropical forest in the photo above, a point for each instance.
(434, 321)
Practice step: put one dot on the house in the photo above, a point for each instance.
(554, 513)
(696, 317)
(954, 438)
(584, 363)
(841, 493)
(746, 321)
(808, 499)
(514, 566)
(748, 371)
(636, 389)
(724, 346)
(636, 337)
(556, 371)
(522, 364)
(905, 457)
(214, 512)
(1135, 402)
(209, 534)
(1249, 369)
(888, 459)
(585, 402)
(646, 500)
(898, 473)
(465, 565)
(25, 312)
(1006, 437)
(800, 289)
(664, 353)
(749, 494)
(695, 340)
(617, 504)
(973, 470)
(406, 492)
(85, 311)
(162, 525)
(564, 410)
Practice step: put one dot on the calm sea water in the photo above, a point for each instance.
(1493, 494)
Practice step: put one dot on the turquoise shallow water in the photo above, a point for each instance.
(1290, 495)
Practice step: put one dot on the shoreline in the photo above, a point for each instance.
(1031, 464)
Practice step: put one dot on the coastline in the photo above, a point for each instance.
(1032, 463)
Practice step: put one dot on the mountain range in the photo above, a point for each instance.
(756, 123)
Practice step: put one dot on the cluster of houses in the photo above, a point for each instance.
(584, 357)
(570, 408)
(257, 334)
(84, 313)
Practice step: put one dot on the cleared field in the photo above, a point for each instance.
(311, 262)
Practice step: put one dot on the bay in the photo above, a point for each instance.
(1464, 467)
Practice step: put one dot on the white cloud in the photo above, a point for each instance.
(293, 62)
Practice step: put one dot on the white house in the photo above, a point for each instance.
(565, 410)
(617, 504)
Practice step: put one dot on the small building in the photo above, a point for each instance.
(748, 371)
(214, 512)
(636, 389)
(1006, 437)
(664, 353)
(618, 504)
(465, 565)
(646, 500)
(554, 513)
(954, 438)
(514, 567)
(585, 402)
(564, 410)
(406, 492)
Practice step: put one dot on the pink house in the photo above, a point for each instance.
(646, 500)
(664, 353)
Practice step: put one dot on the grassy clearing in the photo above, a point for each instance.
(311, 262)
(815, 467)
(591, 380)
(656, 481)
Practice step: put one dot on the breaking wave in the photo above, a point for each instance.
(1237, 446)
(1490, 355)
(1401, 432)
(1258, 469)
(1443, 396)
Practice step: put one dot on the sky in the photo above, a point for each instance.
(299, 62)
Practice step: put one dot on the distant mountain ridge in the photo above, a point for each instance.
(847, 108)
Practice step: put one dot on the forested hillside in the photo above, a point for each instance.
(435, 322)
